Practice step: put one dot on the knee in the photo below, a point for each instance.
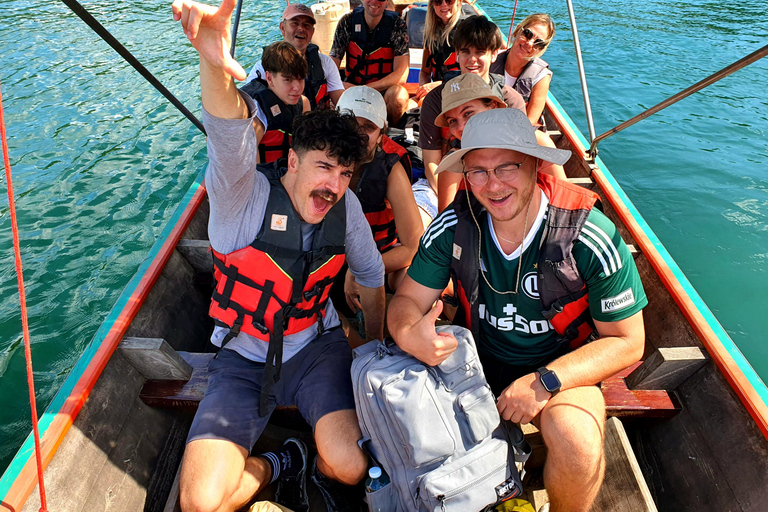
(573, 432)
(199, 498)
(348, 468)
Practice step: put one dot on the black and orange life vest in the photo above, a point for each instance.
(371, 190)
(273, 287)
(277, 134)
(562, 290)
(370, 56)
(316, 85)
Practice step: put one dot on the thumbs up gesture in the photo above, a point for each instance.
(207, 28)
(424, 343)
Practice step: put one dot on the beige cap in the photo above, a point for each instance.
(364, 102)
(294, 10)
(467, 87)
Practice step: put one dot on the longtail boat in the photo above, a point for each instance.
(688, 427)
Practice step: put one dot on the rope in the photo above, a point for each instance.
(512, 23)
(24, 322)
(97, 27)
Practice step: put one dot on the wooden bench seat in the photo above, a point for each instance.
(620, 400)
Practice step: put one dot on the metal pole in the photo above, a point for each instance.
(235, 27)
(582, 76)
(749, 59)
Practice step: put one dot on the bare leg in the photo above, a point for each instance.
(218, 476)
(338, 455)
(398, 102)
(572, 424)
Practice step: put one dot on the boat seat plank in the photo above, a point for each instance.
(623, 402)
(620, 400)
(154, 358)
(197, 253)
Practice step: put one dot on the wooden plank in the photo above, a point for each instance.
(667, 368)
(584, 182)
(197, 253)
(624, 402)
(624, 488)
(187, 394)
(173, 505)
(154, 358)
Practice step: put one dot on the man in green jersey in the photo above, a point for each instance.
(545, 283)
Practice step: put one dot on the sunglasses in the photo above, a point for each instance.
(539, 44)
(441, 2)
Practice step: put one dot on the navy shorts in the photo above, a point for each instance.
(317, 380)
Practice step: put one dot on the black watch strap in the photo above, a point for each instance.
(549, 380)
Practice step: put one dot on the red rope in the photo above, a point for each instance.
(24, 323)
(511, 24)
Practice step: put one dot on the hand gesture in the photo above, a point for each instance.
(207, 28)
(424, 343)
(522, 400)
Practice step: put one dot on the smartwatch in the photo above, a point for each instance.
(549, 380)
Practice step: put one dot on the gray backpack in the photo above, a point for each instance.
(434, 430)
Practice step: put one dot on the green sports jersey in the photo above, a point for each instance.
(512, 327)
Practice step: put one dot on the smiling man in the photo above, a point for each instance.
(323, 83)
(546, 285)
(375, 42)
(278, 244)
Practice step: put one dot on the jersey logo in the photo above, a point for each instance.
(275, 110)
(358, 28)
(456, 252)
(620, 301)
(531, 285)
(279, 222)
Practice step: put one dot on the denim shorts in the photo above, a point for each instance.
(426, 199)
(317, 380)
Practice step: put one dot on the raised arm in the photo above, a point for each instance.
(207, 28)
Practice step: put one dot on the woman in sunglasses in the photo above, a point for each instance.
(439, 57)
(522, 66)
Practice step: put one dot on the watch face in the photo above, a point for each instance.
(550, 381)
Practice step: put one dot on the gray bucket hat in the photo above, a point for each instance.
(505, 128)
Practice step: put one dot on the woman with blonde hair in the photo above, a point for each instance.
(439, 56)
(522, 66)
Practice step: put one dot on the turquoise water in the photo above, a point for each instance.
(100, 159)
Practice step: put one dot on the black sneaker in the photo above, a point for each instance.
(337, 496)
(292, 489)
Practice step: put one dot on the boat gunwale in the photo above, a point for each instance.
(749, 387)
(20, 478)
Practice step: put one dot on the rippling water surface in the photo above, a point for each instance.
(100, 159)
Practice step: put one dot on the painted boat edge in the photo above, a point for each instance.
(20, 478)
(748, 386)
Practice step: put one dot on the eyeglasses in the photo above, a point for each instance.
(441, 2)
(505, 172)
(539, 44)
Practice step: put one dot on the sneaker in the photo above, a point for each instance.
(337, 496)
(292, 489)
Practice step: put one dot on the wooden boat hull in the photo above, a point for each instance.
(105, 449)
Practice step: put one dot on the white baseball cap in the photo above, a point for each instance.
(365, 102)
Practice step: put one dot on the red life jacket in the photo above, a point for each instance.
(316, 86)
(277, 135)
(443, 60)
(371, 190)
(370, 57)
(562, 290)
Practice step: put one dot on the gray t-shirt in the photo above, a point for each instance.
(238, 195)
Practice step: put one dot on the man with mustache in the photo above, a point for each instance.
(323, 83)
(278, 243)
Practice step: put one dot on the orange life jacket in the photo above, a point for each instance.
(562, 290)
(370, 56)
(371, 190)
(277, 135)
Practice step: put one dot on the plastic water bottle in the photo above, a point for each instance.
(377, 479)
